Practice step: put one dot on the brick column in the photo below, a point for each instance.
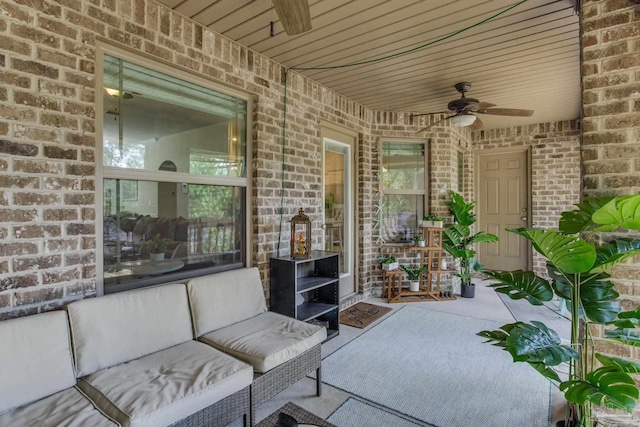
(610, 147)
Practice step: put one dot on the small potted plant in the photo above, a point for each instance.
(389, 263)
(156, 247)
(432, 221)
(414, 272)
(418, 240)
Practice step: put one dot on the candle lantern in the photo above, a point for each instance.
(300, 235)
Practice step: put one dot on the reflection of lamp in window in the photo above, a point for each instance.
(463, 120)
(116, 93)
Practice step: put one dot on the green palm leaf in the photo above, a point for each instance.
(623, 211)
(577, 221)
(626, 336)
(610, 254)
(606, 385)
(623, 365)
(628, 319)
(522, 284)
(462, 211)
(597, 296)
(532, 343)
(482, 237)
(570, 254)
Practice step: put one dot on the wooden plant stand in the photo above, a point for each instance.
(431, 256)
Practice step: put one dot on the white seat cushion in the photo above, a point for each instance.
(219, 300)
(68, 408)
(116, 328)
(266, 340)
(36, 358)
(164, 387)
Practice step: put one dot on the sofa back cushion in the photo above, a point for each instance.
(222, 299)
(117, 328)
(35, 358)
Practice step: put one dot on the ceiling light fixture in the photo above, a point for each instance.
(463, 120)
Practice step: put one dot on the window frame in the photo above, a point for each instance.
(405, 192)
(108, 172)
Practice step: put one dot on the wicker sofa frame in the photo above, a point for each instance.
(272, 382)
(220, 413)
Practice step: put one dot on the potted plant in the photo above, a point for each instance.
(414, 272)
(433, 221)
(458, 241)
(418, 240)
(156, 247)
(577, 264)
(389, 263)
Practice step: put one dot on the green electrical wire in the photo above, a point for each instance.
(406, 52)
(353, 64)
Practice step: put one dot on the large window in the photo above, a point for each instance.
(404, 186)
(174, 169)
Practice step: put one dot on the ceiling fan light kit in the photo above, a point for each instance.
(463, 120)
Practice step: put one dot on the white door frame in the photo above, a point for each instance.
(349, 139)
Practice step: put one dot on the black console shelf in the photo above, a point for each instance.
(307, 289)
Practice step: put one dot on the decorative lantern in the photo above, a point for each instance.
(300, 236)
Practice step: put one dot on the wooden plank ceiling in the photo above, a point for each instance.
(525, 58)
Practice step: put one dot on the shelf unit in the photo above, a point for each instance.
(431, 256)
(307, 289)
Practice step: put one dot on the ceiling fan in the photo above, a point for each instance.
(462, 112)
(294, 15)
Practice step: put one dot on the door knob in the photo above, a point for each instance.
(524, 218)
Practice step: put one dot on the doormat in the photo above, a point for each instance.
(362, 314)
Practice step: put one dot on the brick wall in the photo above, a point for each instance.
(47, 137)
(555, 168)
(611, 151)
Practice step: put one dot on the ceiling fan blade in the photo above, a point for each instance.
(294, 15)
(477, 125)
(435, 124)
(476, 106)
(428, 114)
(513, 112)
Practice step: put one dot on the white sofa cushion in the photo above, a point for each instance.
(36, 358)
(68, 408)
(116, 328)
(219, 300)
(266, 340)
(164, 387)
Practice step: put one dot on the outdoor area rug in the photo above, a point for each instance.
(362, 314)
(433, 367)
(354, 413)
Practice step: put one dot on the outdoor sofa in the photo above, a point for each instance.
(202, 353)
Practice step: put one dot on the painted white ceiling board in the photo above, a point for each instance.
(526, 58)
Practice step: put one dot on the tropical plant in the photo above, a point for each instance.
(387, 259)
(432, 218)
(156, 245)
(414, 271)
(577, 264)
(458, 240)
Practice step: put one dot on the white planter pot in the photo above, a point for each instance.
(433, 224)
(414, 286)
(155, 258)
(391, 266)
